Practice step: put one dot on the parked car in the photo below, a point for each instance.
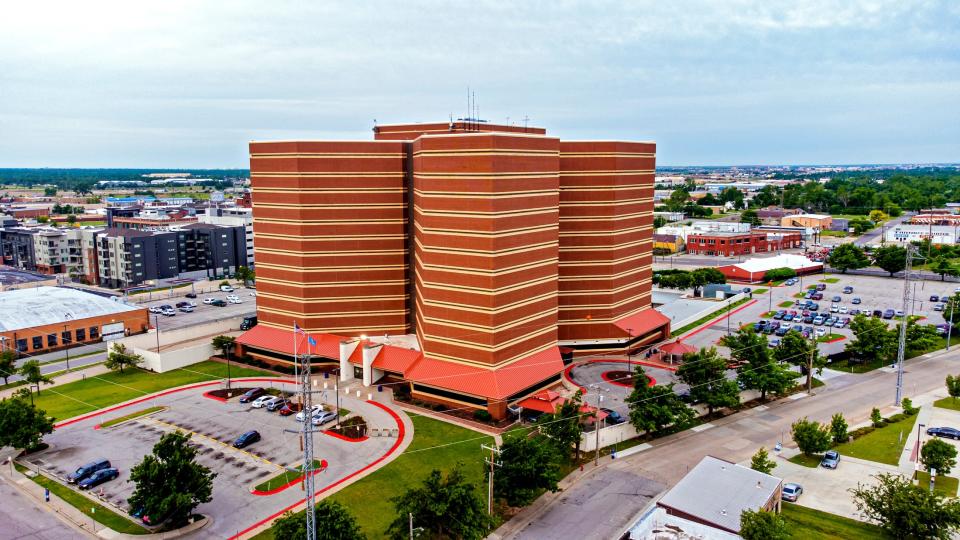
(778, 315)
(791, 281)
(838, 324)
(934, 298)
(830, 460)
(252, 394)
(888, 314)
(774, 343)
(856, 300)
(187, 309)
(613, 417)
(84, 471)
(234, 300)
(818, 320)
(97, 478)
(758, 326)
(248, 322)
(275, 403)
(218, 303)
(844, 310)
(834, 308)
(791, 492)
(246, 439)
(787, 317)
(899, 313)
(847, 290)
(313, 410)
(168, 312)
(939, 307)
(191, 295)
(261, 401)
(232, 297)
(288, 409)
(836, 299)
(226, 288)
(155, 309)
(820, 332)
(782, 331)
(797, 328)
(945, 432)
(209, 300)
(942, 329)
(813, 306)
(821, 286)
(878, 313)
(322, 417)
(817, 296)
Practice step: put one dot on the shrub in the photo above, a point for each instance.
(876, 418)
(860, 432)
(896, 418)
(482, 415)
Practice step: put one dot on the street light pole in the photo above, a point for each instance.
(629, 340)
(67, 347)
(156, 324)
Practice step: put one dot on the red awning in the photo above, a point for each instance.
(642, 323)
(678, 348)
(491, 384)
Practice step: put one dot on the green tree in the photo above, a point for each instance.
(653, 408)
(953, 386)
(442, 507)
(757, 370)
(704, 276)
(944, 267)
(878, 216)
(811, 437)
(904, 510)
(333, 521)
(30, 371)
(751, 217)
(677, 200)
(224, 344)
(762, 525)
(169, 482)
(732, 195)
(528, 466)
(920, 337)
(706, 374)
(876, 418)
(8, 365)
(564, 427)
(949, 315)
(938, 455)
(22, 425)
(761, 462)
(119, 357)
(848, 257)
(50, 192)
(838, 428)
(796, 350)
(777, 274)
(893, 259)
(659, 221)
(860, 225)
(873, 340)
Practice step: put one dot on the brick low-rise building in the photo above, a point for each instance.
(728, 244)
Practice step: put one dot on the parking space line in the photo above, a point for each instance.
(211, 439)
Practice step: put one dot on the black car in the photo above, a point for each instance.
(191, 295)
(218, 303)
(98, 478)
(252, 394)
(86, 470)
(934, 298)
(246, 439)
(945, 432)
(613, 417)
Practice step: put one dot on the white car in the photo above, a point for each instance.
(226, 288)
(313, 410)
(834, 308)
(820, 331)
(322, 417)
(234, 300)
(232, 297)
(209, 300)
(844, 310)
(261, 401)
(155, 309)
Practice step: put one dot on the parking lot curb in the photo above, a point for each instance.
(323, 467)
(708, 324)
(345, 438)
(215, 398)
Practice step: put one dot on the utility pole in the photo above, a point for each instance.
(813, 354)
(901, 348)
(306, 438)
(492, 462)
(66, 346)
(629, 340)
(596, 425)
(951, 305)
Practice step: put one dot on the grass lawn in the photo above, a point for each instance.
(806, 461)
(799, 295)
(80, 397)
(830, 280)
(369, 499)
(829, 337)
(284, 478)
(948, 403)
(840, 234)
(857, 367)
(946, 485)
(809, 524)
(131, 416)
(103, 515)
(785, 303)
(710, 317)
(759, 291)
(883, 445)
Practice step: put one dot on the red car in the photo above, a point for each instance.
(288, 409)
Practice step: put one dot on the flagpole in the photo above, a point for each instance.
(296, 363)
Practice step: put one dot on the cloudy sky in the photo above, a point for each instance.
(188, 84)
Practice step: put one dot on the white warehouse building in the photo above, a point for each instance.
(938, 234)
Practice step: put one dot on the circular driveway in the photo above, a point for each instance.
(589, 375)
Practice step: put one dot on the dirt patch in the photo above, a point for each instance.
(223, 393)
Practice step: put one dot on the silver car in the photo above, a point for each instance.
(322, 417)
(791, 492)
(830, 460)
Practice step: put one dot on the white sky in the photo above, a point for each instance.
(188, 84)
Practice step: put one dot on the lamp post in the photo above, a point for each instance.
(728, 315)
(156, 324)
(919, 434)
(629, 340)
(66, 346)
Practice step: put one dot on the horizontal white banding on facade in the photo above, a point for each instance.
(618, 275)
(484, 195)
(541, 211)
(506, 175)
(485, 252)
(606, 305)
(606, 154)
(339, 315)
(332, 191)
(254, 176)
(607, 187)
(624, 245)
(307, 253)
(329, 237)
(458, 306)
(328, 284)
(591, 219)
(484, 234)
(332, 206)
(327, 155)
(373, 329)
(333, 299)
(353, 268)
(605, 234)
(595, 262)
(602, 320)
(486, 152)
(352, 221)
(640, 200)
(615, 290)
(482, 272)
(616, 172)
(482, 290)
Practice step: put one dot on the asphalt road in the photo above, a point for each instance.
(23, 519)
(734, 438)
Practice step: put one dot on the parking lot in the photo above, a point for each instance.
(202, 313)
(214, 425)
(875, 293)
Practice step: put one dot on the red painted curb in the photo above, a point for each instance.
(718, 319)
(323, 466)
(345, 438)
(338, 482)
(159, 394)
(618, 382)
(566, 372)
(834, 340)
(220, 399)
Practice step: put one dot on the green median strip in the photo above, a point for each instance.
(947, 485)
(788, 303)
(809, 524)
(709, 317)
(131, 416)
(948, 403)
(90, 508)
(284, 478)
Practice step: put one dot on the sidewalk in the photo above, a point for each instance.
(83, 525)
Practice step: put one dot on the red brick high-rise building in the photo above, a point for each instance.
(459, 257)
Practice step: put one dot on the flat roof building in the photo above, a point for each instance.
(493, 245)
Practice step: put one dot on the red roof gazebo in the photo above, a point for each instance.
(673, 352)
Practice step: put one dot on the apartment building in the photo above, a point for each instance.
(235, 216)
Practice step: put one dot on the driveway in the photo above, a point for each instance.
(829, 489)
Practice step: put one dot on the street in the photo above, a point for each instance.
(734, 438)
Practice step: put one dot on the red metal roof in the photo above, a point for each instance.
(677, 347)
(643, 322)
(395, 359)
(492, 384)
(281, 341)
(545, 402)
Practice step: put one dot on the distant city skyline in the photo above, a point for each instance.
(185, 85)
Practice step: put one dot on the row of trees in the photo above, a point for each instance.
(683, 279)
(873, 340)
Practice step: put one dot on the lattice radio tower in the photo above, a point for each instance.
(306, 440)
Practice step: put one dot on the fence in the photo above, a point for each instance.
(608, 436)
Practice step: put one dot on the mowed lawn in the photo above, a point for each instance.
(93, 393)
(369, 498)
(883, 445)
(809, 524)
